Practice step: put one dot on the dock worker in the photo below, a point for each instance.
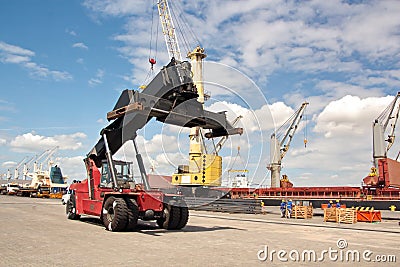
(283, 208)
(337, 204)
(289, 207)
(330, 204)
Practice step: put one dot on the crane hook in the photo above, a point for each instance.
(152, 61)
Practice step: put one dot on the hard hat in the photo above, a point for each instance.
(283, 200)
(337, 200)
(330, 201)
(290, 200)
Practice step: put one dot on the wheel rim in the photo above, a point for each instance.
(110, 214)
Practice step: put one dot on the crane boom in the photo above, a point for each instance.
(280, 146)
(168, 29)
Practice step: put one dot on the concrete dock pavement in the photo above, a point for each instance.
(36, 232)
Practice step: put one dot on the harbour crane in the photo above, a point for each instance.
(385, 123)
(196, 146)
(280, 143)
(38, 159)
(16, 170)
(26, 166)
(49, 154)
(384, 173)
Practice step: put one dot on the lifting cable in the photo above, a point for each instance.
(153, 58)
(186, 23)
(152, 55)
(234, 161)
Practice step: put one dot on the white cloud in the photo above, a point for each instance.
(72, 167)
(350, 115)
(117, 7)
(80, 45)
(31, 142)
(70, 32)
(17, 55)
(15, 50)
(98, 79)
(9, 164)
(3, 141)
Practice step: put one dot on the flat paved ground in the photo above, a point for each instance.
(35, 232)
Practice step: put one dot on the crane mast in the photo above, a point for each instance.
(387, 118)
(279, 147)
(16, 171)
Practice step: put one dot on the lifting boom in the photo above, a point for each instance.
(168, 28)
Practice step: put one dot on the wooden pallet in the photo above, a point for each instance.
(347, 216)
(302, 212)
(330, 215)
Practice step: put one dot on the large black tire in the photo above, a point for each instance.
(115, 214)
(184, 217)
(175, 216)
(133, 214)
(70, 208)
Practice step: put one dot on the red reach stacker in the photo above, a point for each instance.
(109, 191)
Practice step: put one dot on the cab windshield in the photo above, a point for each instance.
(122, 171)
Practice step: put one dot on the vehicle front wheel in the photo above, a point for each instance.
(115, 214)
(70, 209)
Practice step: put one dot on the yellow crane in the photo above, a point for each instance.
(197, 55)
(203, 169)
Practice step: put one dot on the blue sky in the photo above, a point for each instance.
(63, 65)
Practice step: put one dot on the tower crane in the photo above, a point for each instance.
(280, 143)
(386, 122)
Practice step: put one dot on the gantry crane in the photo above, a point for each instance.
(280, 143)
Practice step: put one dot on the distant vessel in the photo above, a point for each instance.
(40, 182)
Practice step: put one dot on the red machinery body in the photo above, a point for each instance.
(146, 200)
(388, 175)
